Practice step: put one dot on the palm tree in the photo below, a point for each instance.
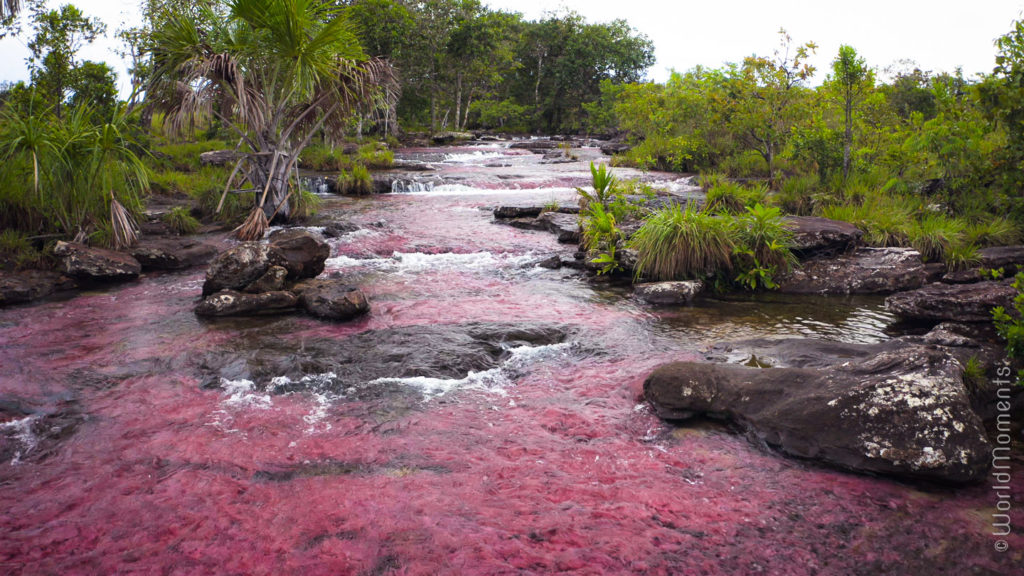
(275, 71)
(9, 8)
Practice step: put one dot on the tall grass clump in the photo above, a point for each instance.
(797, 195)
(181, 221)
(356, 181)
(681, 242)
(375, 156)
(733, 198)
(992, 231)
(934, 234)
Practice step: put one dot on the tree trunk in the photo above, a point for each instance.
(847, 137)
(277, 192)
(458, 99)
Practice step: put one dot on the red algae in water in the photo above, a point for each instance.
(561, 469)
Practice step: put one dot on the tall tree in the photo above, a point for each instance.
(766, 98)
(275, 72)
(851, 79)
(59, 34)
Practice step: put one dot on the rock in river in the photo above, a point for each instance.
(815, 237)
(241, 265)
(332, 299)
(231, 303)
(305, 251)
(895, 408)
(668, 293)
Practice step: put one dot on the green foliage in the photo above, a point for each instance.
(59, 34)
(1011, 327)
(733, 198)
(603, 182)
(993, 231)
(934, 234)
(681, 242)
(356, 181)
(305, 204)
(962, 256)
(974, 377)
(798, 195)
(324, 159)
(375, 157)
(17, 250)
(181, 221)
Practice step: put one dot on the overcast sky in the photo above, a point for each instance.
(938, 35)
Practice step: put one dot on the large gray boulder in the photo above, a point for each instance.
(232, 303)
(864, 271)
(96, 264)
(956, 302)
(897, 408)
(305, 251)
(241, 265)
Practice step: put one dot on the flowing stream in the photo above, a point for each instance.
(484, 418)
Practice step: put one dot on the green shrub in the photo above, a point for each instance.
(304, 204)
(679, 154)
(324, 159)
(992, 231)
(763, 247)
(181, 221)
(1011, 328)
(681, 242)
(356, 181)
(961, 256)
(797, 194)
(733, 198)
(16, 249)
(184, 156)
(934, 234)
(375, 156)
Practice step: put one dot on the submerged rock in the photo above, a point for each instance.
(956, 302)
(864, 271)
(96, 264)
(668, 293)
(816, 237)
(241, 265)
(305, 251)
(332, 299)
(232, 303)
(896, 408)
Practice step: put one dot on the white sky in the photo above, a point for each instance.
(937, 34)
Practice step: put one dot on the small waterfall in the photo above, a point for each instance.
(399, 186)
(315, 184)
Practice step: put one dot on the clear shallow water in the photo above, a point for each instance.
(541, 461)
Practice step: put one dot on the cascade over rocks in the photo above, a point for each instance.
(897, 408)
(864, 271)
(96, 264)
(956, 302)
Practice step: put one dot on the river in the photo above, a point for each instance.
(155, 442)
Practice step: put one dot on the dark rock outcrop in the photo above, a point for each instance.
(305, 251)
(535, 146)
(814, 237)
(565, 226)
(272, 281)
(172, 252)
(241, 265)
(895, 408)
(668, 293)
(956, 302)
(28, 285)
(332, 299)
(1010, 258)
(864, 271)
(96, 264)
(232, 303)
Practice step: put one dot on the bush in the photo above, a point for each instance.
(763, 247)
(356, 181)
(180, 220)
(679, 154)
(797, 195)
(732, 198)
(304, 204)
(680, 242)
(375, 157)
(992, 231)
(934, 234)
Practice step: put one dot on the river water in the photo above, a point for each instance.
(484, 418)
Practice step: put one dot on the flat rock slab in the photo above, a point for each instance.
(864, 271)
(1002, 257)
(231, 303)
(503, 212)
(668, 293)
(956, 302)
(172, 252)
(814, 237)
(96, 264)
(897, 409)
